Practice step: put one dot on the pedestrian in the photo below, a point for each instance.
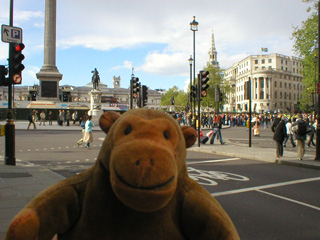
(88, 136)
(31, 120)
(75, 117)
(279, 134)
(68, 117)
(82, 125)
(256, 129)
(299, 128)
(289, 134)
(311, 131)
(217, 125)
(42, 118)
(50, 117)
(61, 117)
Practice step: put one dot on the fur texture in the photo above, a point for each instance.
(138, 189)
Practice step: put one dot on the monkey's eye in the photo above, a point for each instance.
(166, 135)
(128, 130)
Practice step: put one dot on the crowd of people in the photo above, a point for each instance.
(283, 126)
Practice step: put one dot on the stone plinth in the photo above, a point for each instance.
(95, 105)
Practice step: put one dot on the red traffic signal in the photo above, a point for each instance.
(16, 65)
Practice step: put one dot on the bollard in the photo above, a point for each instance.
(2, 130)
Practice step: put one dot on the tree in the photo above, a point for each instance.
(216, 79)
(306, 46)
(180, 98)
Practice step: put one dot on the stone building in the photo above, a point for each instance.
(276, 83)
(116, 98)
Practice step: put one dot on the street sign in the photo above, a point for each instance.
(17, 79)
(11, 34)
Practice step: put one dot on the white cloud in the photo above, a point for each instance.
(126, 64)
(29, 75)
(241, 28)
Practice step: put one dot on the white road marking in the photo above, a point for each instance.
(290, 200)
(211, 161)
(242, 190)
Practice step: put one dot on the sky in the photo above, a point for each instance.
(151, 36)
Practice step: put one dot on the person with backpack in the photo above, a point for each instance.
(299, 128)
(31, 119)
(279, 134)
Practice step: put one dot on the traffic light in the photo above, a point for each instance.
(16, 63)
(204, 79)
(3, 73)
(217, 94)
(193, 91)
(144, 95)
(135, 86)
(247, 90)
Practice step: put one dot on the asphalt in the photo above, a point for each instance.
(22, 182)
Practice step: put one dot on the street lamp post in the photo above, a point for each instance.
(190, 97)
(194, 27)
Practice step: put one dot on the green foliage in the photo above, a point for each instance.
(180, 98)
(216, 79)
(306, 46)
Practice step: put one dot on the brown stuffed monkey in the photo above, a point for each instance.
(138, 189)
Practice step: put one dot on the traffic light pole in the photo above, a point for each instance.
(131, 94)
(10, 127)
(317, 158)
(199, 116)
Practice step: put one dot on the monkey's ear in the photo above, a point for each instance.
(107, 119)
(190, 135)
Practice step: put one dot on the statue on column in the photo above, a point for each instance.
(95, 78)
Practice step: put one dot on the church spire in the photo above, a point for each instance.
(213, 53)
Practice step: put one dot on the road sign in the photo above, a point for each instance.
(11, 34)
(17, 79)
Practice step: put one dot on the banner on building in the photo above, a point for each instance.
(264, 49)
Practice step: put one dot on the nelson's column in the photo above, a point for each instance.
(49, 75)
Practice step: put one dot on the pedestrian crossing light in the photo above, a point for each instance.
(204, 79)
(16, 63)
(193, 91)
(3, 74)
(144, 95)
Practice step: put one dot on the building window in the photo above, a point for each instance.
(263, 61)
(256, 61)
(275, 94)
(289, 96)
(280, 84)
(261, 94)
(275, 84)
(280, 95)
(289, 85)
(269, 60)
(285, 85)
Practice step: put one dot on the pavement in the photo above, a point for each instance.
(22, 182)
